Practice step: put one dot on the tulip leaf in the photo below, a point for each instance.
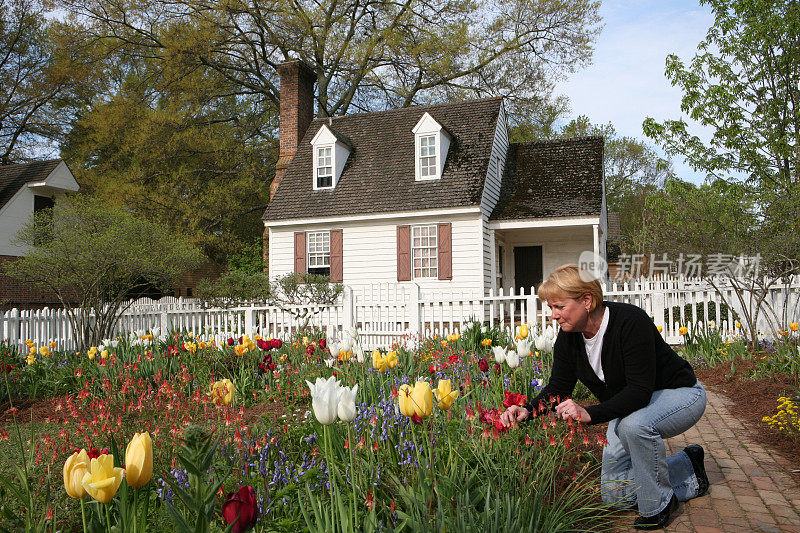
(180, 524)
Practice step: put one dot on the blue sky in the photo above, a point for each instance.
(626, 81)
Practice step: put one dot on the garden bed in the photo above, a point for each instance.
(751, 400)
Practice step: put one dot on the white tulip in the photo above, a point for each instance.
(499, 354)
(335, 348)
(114, 343)
(512, 359)
(347, 403)
(358, 350)
(139, 332)
(549, 345)
(330, 362)
(347, 344)
(325, 396)
(352, 333)
(523, 347)
(540, 343)
(155, 331)
(550, 332)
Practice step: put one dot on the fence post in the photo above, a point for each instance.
(249, 321)
(163, 323)
(530, 308)
(414, 326)
(347, 308)
(13, 327)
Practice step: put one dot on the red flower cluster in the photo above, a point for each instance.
(270, 344)
(241, 507)
(6, 369)
(483, 365)
(513, 398)
(266, 365)
(491, 417)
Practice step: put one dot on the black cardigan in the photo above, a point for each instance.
(635, 358)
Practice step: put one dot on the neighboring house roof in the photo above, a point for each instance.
(379, 174)
(556, 178)
(13, 177)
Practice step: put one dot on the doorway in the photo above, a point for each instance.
(527, 267)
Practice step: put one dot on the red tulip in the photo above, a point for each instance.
(277, 343)
(323, 343)
(241, 507)
(513, 398)
(483, 365)
(231, 342)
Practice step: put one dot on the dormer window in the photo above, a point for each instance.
(431, 144)
(427, 156)
(331, 151)
(324, 167)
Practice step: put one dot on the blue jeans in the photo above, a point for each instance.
(635, 463)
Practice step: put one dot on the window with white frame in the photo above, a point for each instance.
(319, 252)
(427, 156)
(324, 167)
(424, 251)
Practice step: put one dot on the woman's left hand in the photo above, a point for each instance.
(569, 409)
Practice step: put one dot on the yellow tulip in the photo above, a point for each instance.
(660, 329)
(456, 336)
(33, 351)
(683, 330)
(92, 352)
(222, 392)
(75, 467)
(404, 400)
(53, 345)
(90, 355)
(104, 354)
(30, 359)
(422, 398)
(305, 341)
(240, 349)
(392, 359)
(445, 395)
(523, 332)
(486, 342)
(103, 478)
(794, 326)
(139, 460)
(379, 362)
(45, 351)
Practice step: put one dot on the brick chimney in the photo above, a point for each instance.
(297, 112)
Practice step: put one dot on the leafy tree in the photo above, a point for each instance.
(94, 257)
(35, 90)
(367, 55)
(743, 85)
(177, 146)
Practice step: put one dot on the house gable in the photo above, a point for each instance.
(330, 152)
(431, 143)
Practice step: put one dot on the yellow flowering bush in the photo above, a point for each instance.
(787, 419)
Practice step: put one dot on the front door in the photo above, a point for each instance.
(527, 267)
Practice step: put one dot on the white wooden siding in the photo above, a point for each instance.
(369, 251)
(491, 194)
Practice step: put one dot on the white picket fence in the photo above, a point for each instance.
(387, 313)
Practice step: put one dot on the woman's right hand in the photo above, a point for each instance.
(514, 415)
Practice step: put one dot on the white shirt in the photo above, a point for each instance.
(594, 347)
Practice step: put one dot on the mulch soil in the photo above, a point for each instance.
(752, 400)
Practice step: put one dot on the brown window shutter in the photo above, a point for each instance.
(336, 256)
(445, 251)
(300, 252)
(403, 253)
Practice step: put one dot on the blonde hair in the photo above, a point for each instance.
(568, 281)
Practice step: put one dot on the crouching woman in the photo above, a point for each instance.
(646, 391)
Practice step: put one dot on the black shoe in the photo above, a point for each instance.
(696, 455)
(657, 521)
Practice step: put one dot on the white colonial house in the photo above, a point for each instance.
(433, 195)
(26, 188)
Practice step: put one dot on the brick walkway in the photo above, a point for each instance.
(751, 489)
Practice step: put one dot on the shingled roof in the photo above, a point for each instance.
(555, 178)
(13, 177)
(379, 174)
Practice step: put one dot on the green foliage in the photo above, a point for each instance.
(233, 288)
(367, 55)
(94, 256)
(743, 86)
(196, 455)
(687, 315)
